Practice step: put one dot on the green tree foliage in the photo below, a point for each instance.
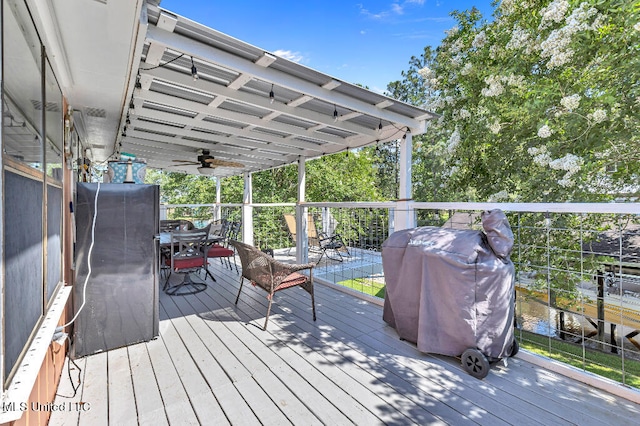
(429, 159)
(180, 188)
(538, 104)
(385, 163)
(334, 178)
(342, 177)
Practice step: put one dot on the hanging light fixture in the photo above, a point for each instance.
(380, 126)
(128, 121)
(138, 84)
(271, 95)
(335, 113)
(194, 70)
(131, 104)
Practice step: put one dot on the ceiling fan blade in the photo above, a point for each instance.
(214, 162)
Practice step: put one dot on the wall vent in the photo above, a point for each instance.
(50, 106)
(95, 112)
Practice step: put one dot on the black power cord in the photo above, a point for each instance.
(74, 387)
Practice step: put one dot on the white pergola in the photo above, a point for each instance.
(247, 106)
(126, 70)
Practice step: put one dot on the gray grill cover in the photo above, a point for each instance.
(449, 290)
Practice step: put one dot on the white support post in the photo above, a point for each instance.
(404, 214)
(302, 240)
(247, 211)
(326, 221)
(217, 210)
(163, 212)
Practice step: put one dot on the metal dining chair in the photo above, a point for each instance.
(187, 254)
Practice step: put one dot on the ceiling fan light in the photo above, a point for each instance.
(206, 170)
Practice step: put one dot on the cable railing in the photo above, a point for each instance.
(577, 265)
(201, 214)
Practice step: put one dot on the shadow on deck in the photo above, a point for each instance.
(212, 364)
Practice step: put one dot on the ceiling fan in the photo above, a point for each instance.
(207, 163)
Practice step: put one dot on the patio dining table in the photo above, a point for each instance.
(165, 239)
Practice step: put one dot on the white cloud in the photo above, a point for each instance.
(287, 54)
(394, 9)
(371, 15)
(397, 9)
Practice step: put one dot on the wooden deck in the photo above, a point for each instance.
(212, 364)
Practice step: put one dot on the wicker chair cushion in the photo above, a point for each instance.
(293, 280)
(290, 280)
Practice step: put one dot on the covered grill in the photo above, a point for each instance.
(451, 291)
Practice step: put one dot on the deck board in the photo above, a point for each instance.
(148, 399)
(292, 407)
(66, 394)
(95, 391)
(298, 383)
(367, 370)
(456, 384)
(205, 404)
(213, 364)
(174, 396)
(122, 403)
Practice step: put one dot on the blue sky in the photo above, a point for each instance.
(369, 42)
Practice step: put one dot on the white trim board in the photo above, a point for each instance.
(22, 383)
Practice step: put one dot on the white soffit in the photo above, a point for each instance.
(91, 47)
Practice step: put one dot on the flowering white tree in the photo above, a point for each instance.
(542, 103)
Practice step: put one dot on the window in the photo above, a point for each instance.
(32, 200)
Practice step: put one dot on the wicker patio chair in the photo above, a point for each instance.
(271, 275)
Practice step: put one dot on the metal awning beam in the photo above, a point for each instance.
(175, 77)
(216, 56)
(236, 116)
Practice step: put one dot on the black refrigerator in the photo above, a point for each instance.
(119, 287)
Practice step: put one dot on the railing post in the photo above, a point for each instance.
(217, 209)
(247, 211)
(326, 221)
(600, 308)
(404, 216)
(392, 220)
(302, 234)
(302, 240)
